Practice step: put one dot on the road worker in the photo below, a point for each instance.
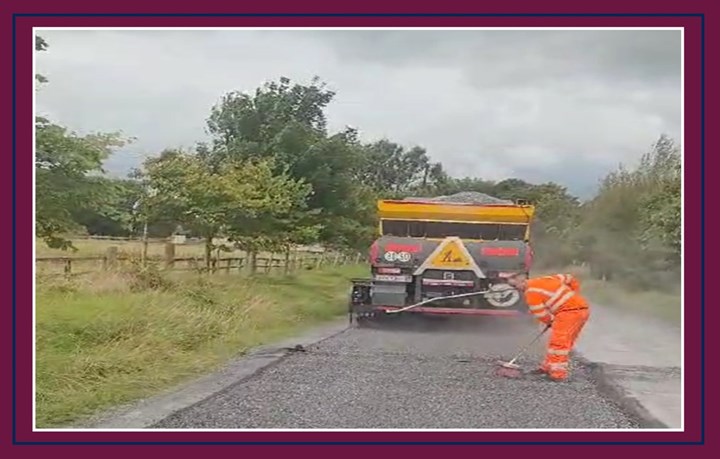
(555, 300)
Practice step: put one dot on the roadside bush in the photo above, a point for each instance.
(147, 276)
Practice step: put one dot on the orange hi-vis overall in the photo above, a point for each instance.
(557, 299)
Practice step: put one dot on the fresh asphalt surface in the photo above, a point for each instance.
(414, 374)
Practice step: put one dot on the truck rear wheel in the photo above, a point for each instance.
(503, 296)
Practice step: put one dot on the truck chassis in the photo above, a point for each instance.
(363, 310)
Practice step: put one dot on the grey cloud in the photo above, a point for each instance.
(503, 57)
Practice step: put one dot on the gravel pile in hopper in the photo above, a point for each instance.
(464, 197)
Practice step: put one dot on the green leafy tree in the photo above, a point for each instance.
(241, 200)
(244, 125)
(110, 211)
(661, 204)
(632, 229)
(286, 121)
(395, 171)
(63, 162)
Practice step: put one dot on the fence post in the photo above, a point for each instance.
(68, 267)
(169, 255)
(253, 262)
(287, 261)
(145, 244)
(357, 258)
(111, 257)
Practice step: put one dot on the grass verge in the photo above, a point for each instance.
(107, 341)
(661, 304)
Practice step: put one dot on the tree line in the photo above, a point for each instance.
(272, 175)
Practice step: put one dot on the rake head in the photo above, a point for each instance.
(508, 370)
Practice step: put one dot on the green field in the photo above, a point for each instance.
(109, 339)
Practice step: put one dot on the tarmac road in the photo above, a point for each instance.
(417, 374)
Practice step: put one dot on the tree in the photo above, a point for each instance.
(661, 217)
(393, 170)
(632, 228)
(661, 205)
(109, 212)
(286, 122)
(63, 161)
(239, 199)
(244, 126)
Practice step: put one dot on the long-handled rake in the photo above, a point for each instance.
(438, 298)
(485, 293)
(511, 369)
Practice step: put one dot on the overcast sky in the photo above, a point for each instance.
(540, 105)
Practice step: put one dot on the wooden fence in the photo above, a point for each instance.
(251, 263)
(192, 241)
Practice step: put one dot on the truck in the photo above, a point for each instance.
(449, 255)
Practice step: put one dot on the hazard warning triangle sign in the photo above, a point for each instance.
(452, 254)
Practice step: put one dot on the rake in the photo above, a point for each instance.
(511, 369)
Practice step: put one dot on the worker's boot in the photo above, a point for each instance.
(557, 377)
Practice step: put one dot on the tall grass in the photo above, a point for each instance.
(109, 339)
(664, 303)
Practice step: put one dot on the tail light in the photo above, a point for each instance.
(500, 251)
